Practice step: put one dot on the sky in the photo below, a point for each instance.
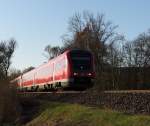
(37, 23)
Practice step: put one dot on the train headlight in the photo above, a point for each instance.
(89, 74)
(75, 74)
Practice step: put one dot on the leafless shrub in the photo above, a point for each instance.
(9, 109)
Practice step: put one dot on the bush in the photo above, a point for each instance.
(8, 103)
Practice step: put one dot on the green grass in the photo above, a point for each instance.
(63, 114)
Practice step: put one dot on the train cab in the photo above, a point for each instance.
(81, 68)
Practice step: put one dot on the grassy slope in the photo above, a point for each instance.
(61, 114)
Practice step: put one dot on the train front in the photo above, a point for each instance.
(81, 69)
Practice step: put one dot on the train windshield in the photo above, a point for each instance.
(81, 60)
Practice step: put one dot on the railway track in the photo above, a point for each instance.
(80, 94)
(127, 91)
(55, 92)
(83, 92)
(70, 94)
(47, 94)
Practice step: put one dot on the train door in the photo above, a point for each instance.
(34, 79)
(21, 85)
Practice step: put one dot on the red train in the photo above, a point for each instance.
(73, 69)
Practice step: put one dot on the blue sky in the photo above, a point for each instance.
(37, 23)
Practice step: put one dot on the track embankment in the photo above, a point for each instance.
(131, 102)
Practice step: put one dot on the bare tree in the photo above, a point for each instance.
(128, 54)
(28, 69)
(7, 49)
(142, 55)
(136, 55)
(52, 52)
(13, 73)
(8, 99)
(142, 50)
(137, 52)
(92, 33)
